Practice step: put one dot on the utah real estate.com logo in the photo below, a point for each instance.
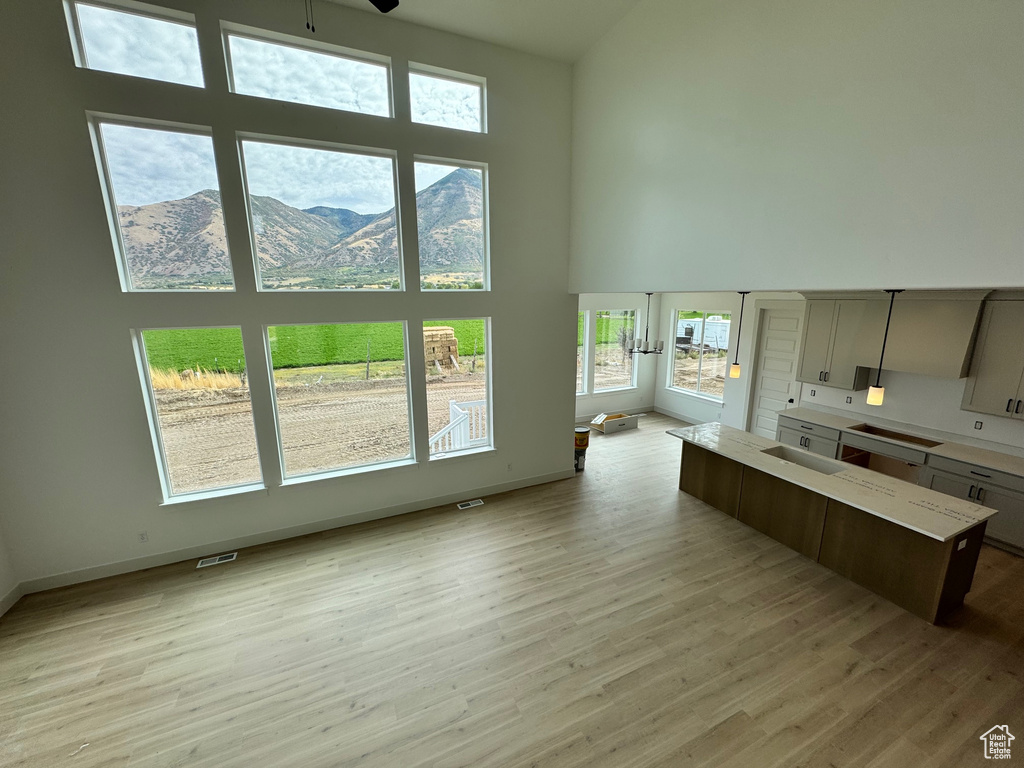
(997, 742)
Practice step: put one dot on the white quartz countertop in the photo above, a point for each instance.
(920, 509)
(970, 454)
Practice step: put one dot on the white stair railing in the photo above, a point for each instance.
(467, 427)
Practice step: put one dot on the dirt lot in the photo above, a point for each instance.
(210, 439)
(713, 375)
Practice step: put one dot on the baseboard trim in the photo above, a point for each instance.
(7, 601)
(672, 414)
(278, 534)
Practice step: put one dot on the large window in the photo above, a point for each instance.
(322, 218)
(306, 213)
(304, 76)
(458, 394)
(164, 198)
(138, 40)
(203, 428)
(701, 352)
(613, 362)
(342, 395)
(452, 223)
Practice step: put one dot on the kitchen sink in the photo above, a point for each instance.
(805, 459)
(867, 429)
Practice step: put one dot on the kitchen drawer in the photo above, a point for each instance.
(807, 428)
(976, 473)
(884, 447)
(812, 443)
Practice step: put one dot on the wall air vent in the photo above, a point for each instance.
(473, 503)
(216, 560)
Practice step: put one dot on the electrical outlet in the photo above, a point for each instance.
(849, 400)
(143, 537)
(977, 425)
(510, 467)
(813, 391)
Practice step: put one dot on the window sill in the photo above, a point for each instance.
(459, 454)
(362, 469)
(615, 390)
(185, 498)
(697, 395)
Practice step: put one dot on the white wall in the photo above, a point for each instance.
(633, 399)
(806, 144)
(79, 480)
(9, 585)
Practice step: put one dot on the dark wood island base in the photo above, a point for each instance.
(922, 574)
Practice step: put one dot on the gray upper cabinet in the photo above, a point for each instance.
(838, 337)
(996, 383)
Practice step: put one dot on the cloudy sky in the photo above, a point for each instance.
(148, 165)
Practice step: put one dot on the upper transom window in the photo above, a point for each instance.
(449, 100)
(302, 75)
(137, 40)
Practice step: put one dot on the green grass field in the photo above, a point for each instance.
(294, 346)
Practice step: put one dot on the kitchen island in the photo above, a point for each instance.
(914, 546)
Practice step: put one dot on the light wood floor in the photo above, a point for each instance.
(607, 620)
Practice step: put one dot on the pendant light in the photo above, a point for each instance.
(876, 394)
(734, 369)
(643, 346)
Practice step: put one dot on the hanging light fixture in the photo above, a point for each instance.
(876, 394)
(643, 346)
(734, 369)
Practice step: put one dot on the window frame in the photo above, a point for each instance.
(145, 10)
(156, 431)
(354, 469)
(484, 169)
(242, 136)
(488, 384)
(439, 73)
(583, 315)
(700, 360)
(97, 119)
(593, 354)
(231, 29)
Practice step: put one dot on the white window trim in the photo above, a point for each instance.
(145, 10)
(456, 77)
(285, 141)
(585, 353)
(353, 469)
(485, 212)
(156, 433)
(229, 29)
(491, 445)
(670, 384)
(633, 368)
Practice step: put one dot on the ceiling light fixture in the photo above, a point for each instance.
(644, 347)
(385, 5)
(876, 394)
(734, 369)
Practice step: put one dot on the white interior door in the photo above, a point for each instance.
(775, 384)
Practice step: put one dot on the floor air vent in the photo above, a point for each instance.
(473, 503)
(216, 560)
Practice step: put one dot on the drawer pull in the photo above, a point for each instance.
(980, 474)
(804, 426)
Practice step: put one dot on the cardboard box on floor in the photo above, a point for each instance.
(615, 422)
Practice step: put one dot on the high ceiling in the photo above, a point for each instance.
(557, 29)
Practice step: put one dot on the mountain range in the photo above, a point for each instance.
(182, 243)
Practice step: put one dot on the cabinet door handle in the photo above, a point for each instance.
(970, 493)
(980, 497)
(821, 375)
(1017, 409)
(1009, 405)
(981, 474)
(826, 375)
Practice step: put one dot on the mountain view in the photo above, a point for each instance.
(181, 243)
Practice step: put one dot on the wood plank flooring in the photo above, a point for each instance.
(604, 621)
